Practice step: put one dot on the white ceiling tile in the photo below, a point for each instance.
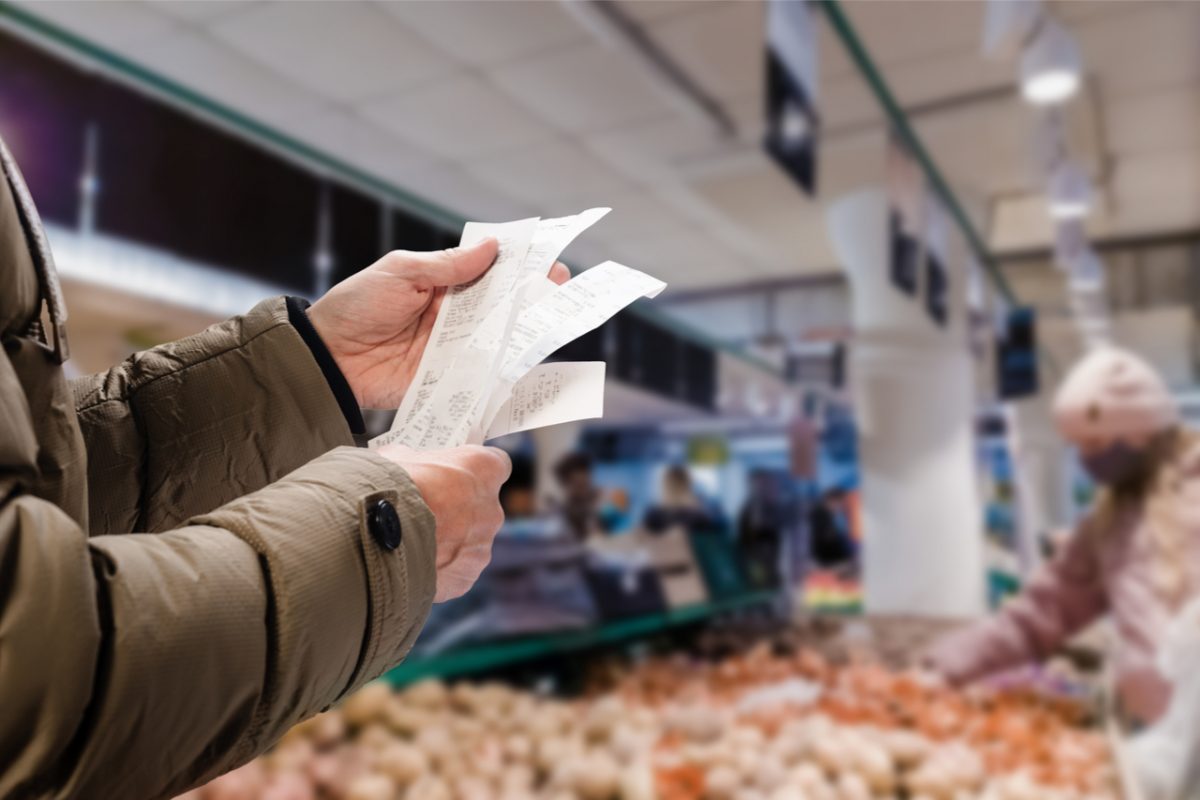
(1146, 122)
(653, 10)
(637, 215)
(755, 187)
(589, 88)
(454, 189)
(961, 74)
(485, 32)
(847, 103)
(832, 59)
(851, 162)
(896, 32)
(1152, 49)
(685, 260)
(1157, 193)
(196, 61)
(344, 51)
(202, 11)
(800, 240)
(1021, 222)
(462, 117)
(761, 200)
(554, 177)
(721, 47)
(749, 113)
(113, 24)
(987, 147)
(359, 141)
(1083, 11)
(669, 149)
(649, 152)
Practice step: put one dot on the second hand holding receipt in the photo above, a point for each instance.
(479, 376)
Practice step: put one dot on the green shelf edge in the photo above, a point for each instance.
(480, 658)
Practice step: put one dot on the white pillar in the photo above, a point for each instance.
(912, 385)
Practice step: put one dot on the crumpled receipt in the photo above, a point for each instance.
(481, 375)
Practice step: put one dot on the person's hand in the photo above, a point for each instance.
(376, 323)
(461, 486)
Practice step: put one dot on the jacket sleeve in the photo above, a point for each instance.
(1062, 598)
(140, 665)
(183, 428)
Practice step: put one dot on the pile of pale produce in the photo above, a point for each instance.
(752, 727)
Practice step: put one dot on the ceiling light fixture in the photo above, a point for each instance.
(1006, 24)
(1087, 273)
(1050, 66)
(1069, 191)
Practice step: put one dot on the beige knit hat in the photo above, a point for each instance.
(1111, 395)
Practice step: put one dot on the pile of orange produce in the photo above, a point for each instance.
(756, 726)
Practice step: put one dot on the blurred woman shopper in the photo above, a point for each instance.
(1135, 554)
(288, 568)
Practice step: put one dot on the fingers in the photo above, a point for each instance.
(490, 464)
(461, 486)
(559, 273)
(455, 265)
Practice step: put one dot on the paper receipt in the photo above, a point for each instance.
(479, 376)
(550, 394)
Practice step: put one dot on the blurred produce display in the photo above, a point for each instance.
(826, 591)
(768, 723)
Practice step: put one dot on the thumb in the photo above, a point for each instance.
(457, 264)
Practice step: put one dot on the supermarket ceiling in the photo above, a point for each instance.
(499, 110)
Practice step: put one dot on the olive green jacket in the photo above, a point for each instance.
(186, 569)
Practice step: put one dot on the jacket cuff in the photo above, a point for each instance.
(402, 589)
(297, 308)
(345, 609)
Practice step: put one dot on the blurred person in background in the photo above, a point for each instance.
(679, 504)
(831, 546)
(579, 506)
(287, 567)
(516, 495)
(760, 530)
(1135, 554)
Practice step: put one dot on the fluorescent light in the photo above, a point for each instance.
(1050, 66)
(1050, 86)
(1069, 191)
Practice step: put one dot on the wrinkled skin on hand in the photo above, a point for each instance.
(461, 486)
(376, 323)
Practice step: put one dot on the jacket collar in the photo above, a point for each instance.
(43, 260)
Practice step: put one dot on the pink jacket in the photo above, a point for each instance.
(1096, 571)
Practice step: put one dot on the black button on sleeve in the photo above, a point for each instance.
(384, 524)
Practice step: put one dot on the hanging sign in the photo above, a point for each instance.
(937, 278)
(906, 206)
(792, 119)
(1017, 356)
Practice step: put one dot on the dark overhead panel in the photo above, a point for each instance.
(791, 78)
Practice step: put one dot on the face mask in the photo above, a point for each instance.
(1116, 465)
